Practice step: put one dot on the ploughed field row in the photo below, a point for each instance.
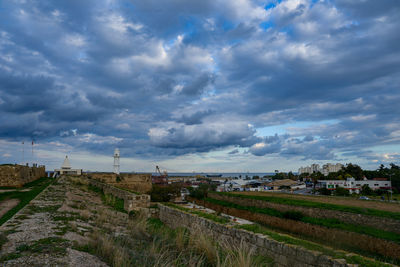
(369, 232)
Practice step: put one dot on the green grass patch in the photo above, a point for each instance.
(210, 216)
(32, 209)
(353, 259)
(326, 222)
(52, 245)
(24, 197)
(319, 205)
(115, 202)
(3, 239)
(10, 256)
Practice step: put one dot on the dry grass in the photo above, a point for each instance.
(203, 244)
(163, 246)
(78, 180)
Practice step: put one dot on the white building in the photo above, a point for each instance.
(353, 185)
(325, 170)
(328, 168)
(66, 169)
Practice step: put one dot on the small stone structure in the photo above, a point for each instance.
(137, 182)
(66, 169)
(131, 201)
(18, 175)
(283, 254)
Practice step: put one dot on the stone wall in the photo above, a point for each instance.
(18, 175)
(386, 224)
(138, 182)
(282, 254)
(131, 201)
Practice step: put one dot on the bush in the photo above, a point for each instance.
(324, 191)
(164, 193)
(340, 191)
(366, 190)
(202, 191)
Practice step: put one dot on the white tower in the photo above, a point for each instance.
(116, 161)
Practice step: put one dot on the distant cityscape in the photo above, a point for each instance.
(325, 170)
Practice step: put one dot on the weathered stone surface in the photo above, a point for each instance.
(131, 201)
(138, 182)
(18, 175)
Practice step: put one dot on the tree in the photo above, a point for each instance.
(315, 177)
(340, 191)
(324, 191)
(366, 190)
(354, 170)
(164, 193)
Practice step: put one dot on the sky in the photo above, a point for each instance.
(211, 85)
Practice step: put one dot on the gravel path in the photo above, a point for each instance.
(45, 232)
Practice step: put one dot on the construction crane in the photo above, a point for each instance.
(163, 174)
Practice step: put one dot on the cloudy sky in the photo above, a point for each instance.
(211, 85)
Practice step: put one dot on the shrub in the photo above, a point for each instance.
(202, 191)
(163, 193)
(324, 191)
(340, 191)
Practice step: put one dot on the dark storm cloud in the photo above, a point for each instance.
(196, 76)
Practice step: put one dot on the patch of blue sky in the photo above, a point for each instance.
(313, 2)
(283, 128)
(287, 29)
(266, 25)
(228, 25)
(389, 148)
(270, 6)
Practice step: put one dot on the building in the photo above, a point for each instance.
(278, 184)
(354, 186)
(66, 169)
(328, 168)
(325, 170)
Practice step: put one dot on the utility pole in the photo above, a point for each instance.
(391, 187)
(23, 152)
(32, 152)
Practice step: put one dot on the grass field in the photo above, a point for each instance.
(322, 203)
(343, 201)
(24, 197)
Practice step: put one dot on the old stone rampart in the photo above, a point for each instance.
(283, 254)
(138, 182)
(18, 175)
(132, 201)
(386, 224)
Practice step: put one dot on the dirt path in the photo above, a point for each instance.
(6, 205)
(393, 207)
(45, 232)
